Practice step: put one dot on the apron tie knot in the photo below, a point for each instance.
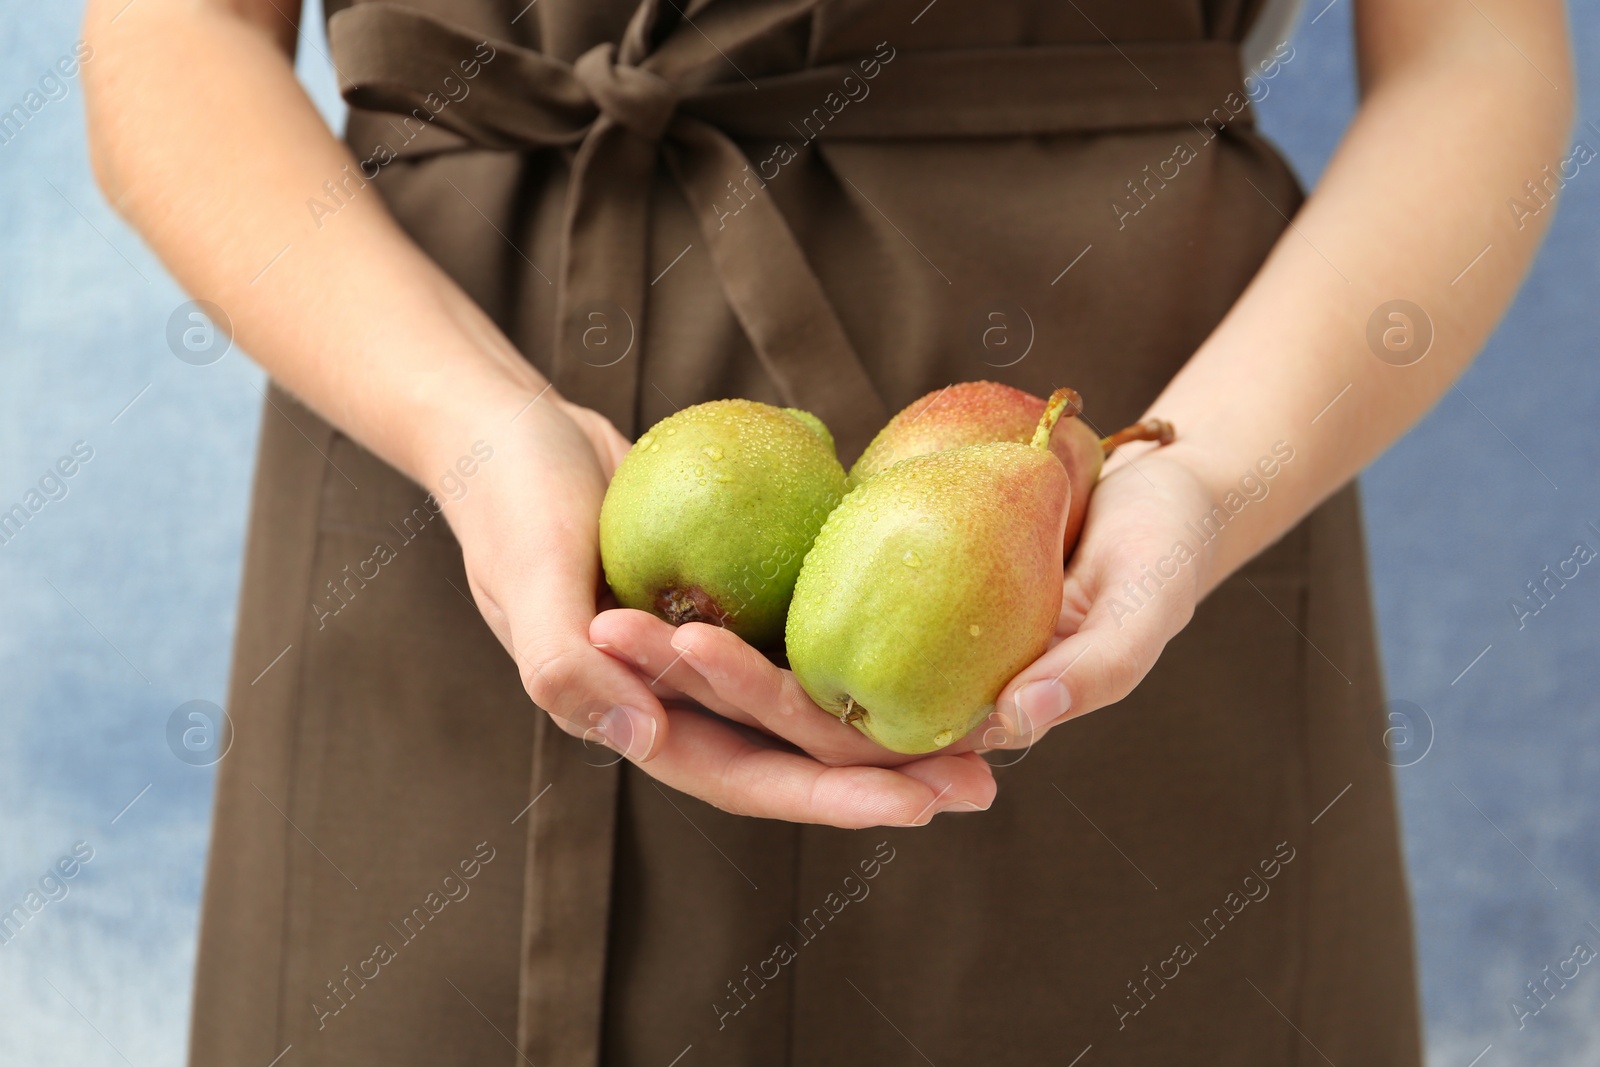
(630, 96)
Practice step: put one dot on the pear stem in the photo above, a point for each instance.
(1158, 430)
(1063, 403)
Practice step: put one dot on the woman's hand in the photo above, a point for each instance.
(1105, 641)
(1128, 590)
(529, 530)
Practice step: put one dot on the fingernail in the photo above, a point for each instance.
(629, 731)
(963, 805)
(923, 817)
(1038, 705)
(623, 654)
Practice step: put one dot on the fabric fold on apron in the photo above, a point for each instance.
(667, 93)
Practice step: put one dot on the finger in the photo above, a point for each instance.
(1096, 666)
(746, 680)
(934, 772)
(644, 642)
(733, 769)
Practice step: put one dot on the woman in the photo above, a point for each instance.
(555, 224)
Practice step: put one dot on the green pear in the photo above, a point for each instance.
(931, 585)
(970, 413)
(711, 512)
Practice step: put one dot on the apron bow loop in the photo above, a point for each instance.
(630, 96)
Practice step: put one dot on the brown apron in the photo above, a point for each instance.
(827, 205)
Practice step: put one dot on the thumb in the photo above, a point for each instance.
(1117, 645)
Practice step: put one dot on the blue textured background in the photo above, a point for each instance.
(118, 601)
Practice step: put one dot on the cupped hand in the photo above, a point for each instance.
(529, 530)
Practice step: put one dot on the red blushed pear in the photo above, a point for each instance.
(930, 586)
(971, 413)
(968, 413)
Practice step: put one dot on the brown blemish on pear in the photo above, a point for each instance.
(692, 604)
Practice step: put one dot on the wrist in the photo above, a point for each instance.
(1243, 501)
(473, 406)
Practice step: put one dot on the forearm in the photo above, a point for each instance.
(202, 138)
(1446, 134)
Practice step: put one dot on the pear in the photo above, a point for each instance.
(970, 413)
(967, 413)
(711, 512)
(930, 586)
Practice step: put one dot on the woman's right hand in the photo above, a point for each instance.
(529, 530)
